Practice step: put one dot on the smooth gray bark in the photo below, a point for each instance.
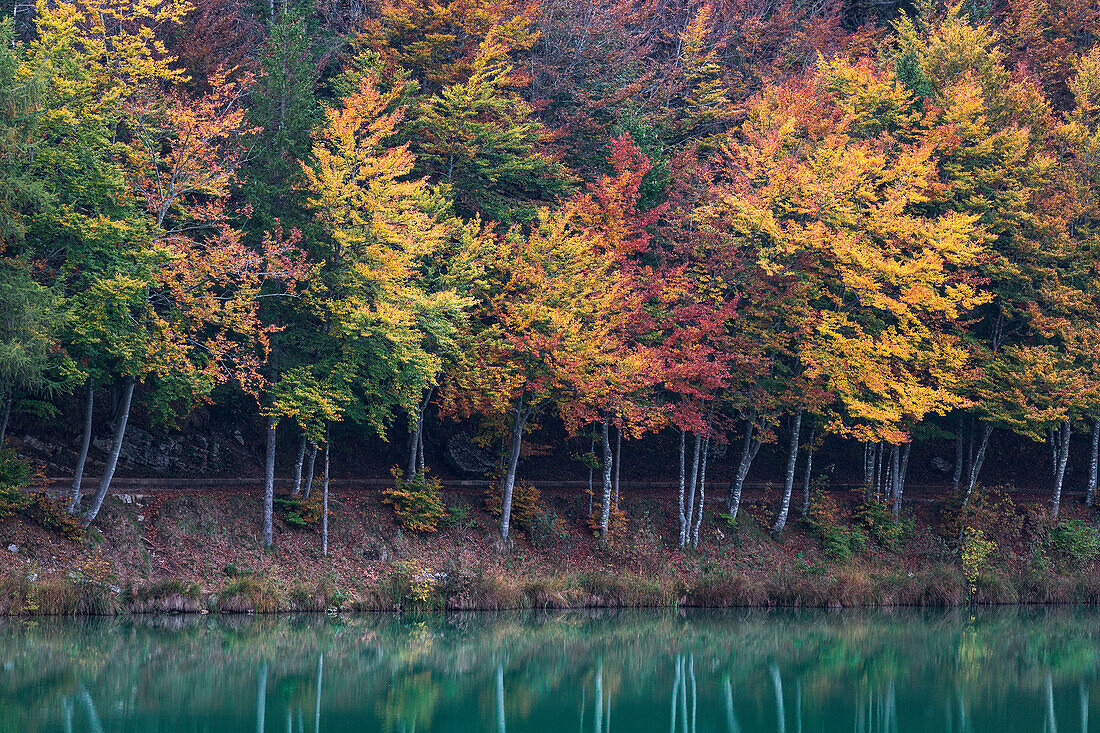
(605, 504)
(519, 420)
(976, 462)
(689, 501)
(956, 476)
(899, 482)
(311, 464)
(1060, 439)
(82, 457)
(702, 493)
(1090, 490)
(788, 480)
(299, 462)
(809, 473)
(618, 463)
(324, 504)
(269, 483)
(749, 448)
(116, 448)
(4, 420)
(591, 474)
(683, 484)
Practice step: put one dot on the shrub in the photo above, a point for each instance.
(165, 596)
(877, 518)
(1073, 543)
(547, 528)
(299, 511)
(527, 504)
(840, 543)
(249, 593)
(414, 585)
(975, 551)
(418, 504)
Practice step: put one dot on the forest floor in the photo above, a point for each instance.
(178, 551)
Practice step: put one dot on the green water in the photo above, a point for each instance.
(1028, 669)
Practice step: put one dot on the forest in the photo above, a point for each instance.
(736, 222)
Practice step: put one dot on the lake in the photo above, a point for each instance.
(1003, 670)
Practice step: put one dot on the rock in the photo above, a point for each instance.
(376, 552)
(941, 464)
(13, 548)
(126, 498)
(167, 453)
(464, 456)
(141, 517)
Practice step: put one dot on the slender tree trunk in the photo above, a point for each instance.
(809, 474)
(895, 469)
(689, 504)
(749, 449)
(82, 457)
(868, 467)
(1094, 459)
(416, 450)
(116, 448)
(298, 463)
(788, 481)
(683, 485)
(878, 470)
(605, 504)
(1062, 437)
(324, 502)
(4, 420)
(956, 477)
(269, 483)
(311, 464)
(702, 491)
(903, 469)
(976, 462)
(591, 473)
(618, 463)
(521, 413)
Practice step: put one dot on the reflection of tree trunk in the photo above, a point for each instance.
(320, 679)
(116, 448)
(1052, 721)
(798, 706)
(731, 717)
(599, 697)
(261, 697)
(694, 693)
(89, 706)
(777, 684)
(501, 725)
(675, 698)
(1083, 694)
(67, 713)
(82, 457)
(788, 480)
(683, 696)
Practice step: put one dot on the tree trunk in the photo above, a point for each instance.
(82, 457)
(116, 448)
(702, 493)
(4, 420)
(1090, 490)
(689, 504)
(956, 477)
(311, 464)
(416, 450)
(618, 456)
(868, 467)
(269, 482)
(1061, 441)
(605, 504)
(749, 449)
(683, 484)
(298, 463)
(878, 470)
(903, 469)
(591, 473)
(809, 473)
(788, 481)
(976, 462)
(518, 422)
(324, 503)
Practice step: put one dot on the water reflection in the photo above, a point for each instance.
(697, 672)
